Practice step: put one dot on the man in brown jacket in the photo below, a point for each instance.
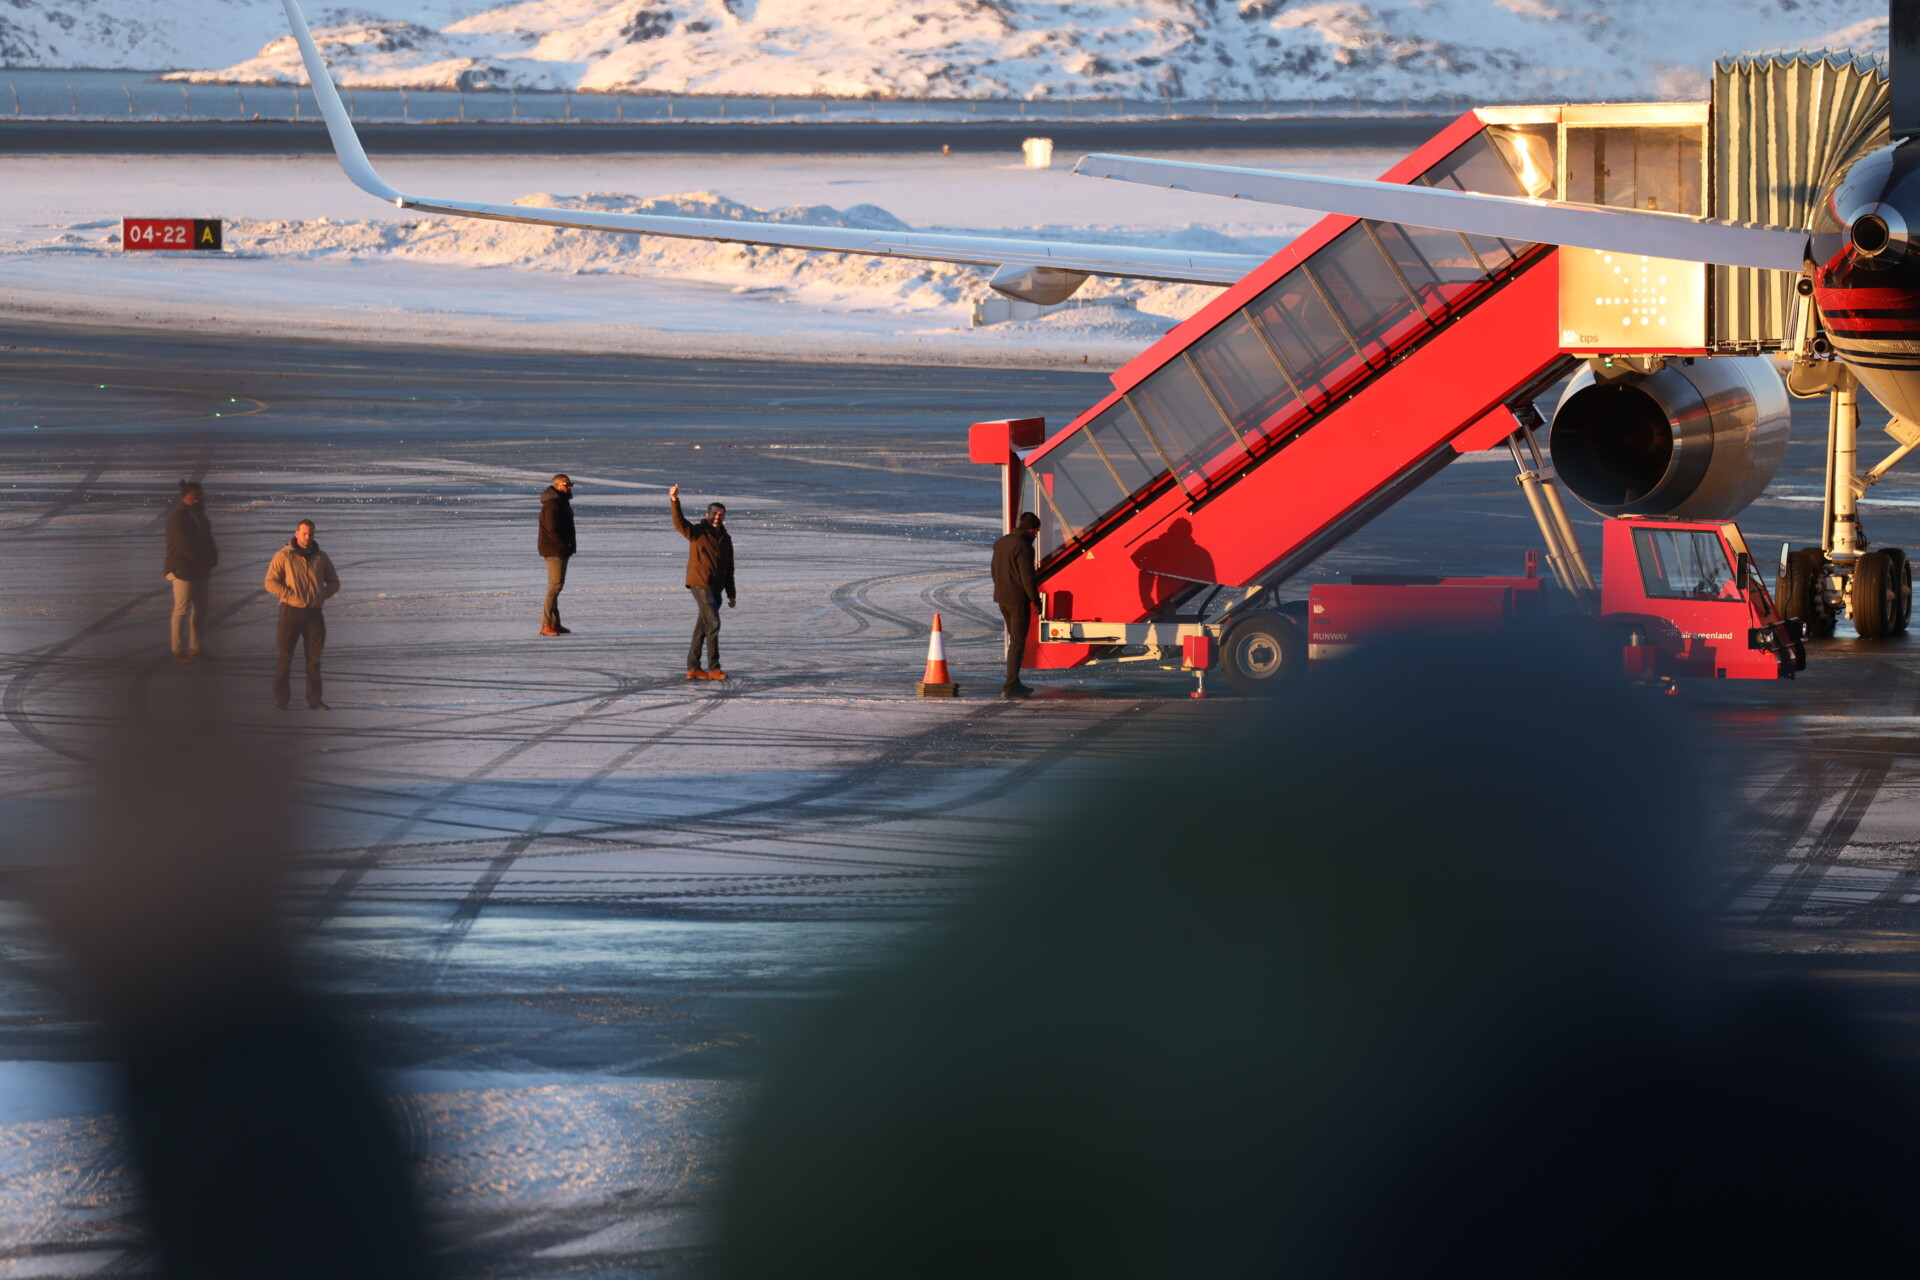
(709, 572)
(302, 579)
(1014, 592)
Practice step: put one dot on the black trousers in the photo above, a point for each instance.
(296, 625)
(1019, 623)
(707, 629)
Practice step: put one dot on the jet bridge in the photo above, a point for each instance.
(1307, 399)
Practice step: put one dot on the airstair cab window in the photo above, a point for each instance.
(1478, 166)
(1684, 564)
(1637, 166)
(1181, 416)
(1304, 334)
(1375, 304)
(1240, 368)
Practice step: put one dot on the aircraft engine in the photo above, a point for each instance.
(1044, 285)
(1695, 441)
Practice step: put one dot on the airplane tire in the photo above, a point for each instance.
(1903, 588)
(1800, 591)
(1875, 595)
(1262, 653)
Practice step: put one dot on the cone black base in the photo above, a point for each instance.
(926, 690)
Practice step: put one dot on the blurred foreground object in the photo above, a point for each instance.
(1408, 979)
(260, 1142)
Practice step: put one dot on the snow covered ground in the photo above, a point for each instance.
(310, 254)
(1492, 50)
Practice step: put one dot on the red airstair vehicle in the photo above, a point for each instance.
(1303, 402)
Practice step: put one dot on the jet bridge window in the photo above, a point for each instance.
(1684, 564)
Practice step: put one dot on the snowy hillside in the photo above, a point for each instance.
(1486, 50)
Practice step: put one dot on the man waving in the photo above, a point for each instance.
(709, 572)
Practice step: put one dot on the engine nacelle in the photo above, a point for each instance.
(1695, 441)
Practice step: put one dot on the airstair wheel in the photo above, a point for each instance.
(1262, 652)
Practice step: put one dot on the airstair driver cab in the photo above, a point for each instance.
(1685, 594)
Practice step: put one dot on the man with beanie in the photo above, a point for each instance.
(1014, 592)
(191, 557)
(709, 572)
(302, 579)
(556, 547)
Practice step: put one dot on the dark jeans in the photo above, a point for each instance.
(707, 629)
(1019, 623)
(556, 581)
(296, 625)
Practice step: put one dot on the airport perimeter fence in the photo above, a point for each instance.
(37, 94)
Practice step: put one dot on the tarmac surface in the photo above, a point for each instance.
(570, 894)
(289, 137)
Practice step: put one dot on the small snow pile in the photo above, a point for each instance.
(1483, 50)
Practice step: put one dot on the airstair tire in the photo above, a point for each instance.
(1903, 588)
(1875, 596)
(1800, 591)
(1262, 653)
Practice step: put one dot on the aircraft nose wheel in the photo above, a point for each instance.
(1801, 591)
(1881, 594)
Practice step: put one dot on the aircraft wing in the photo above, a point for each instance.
(1178, 266)
(1657, 235)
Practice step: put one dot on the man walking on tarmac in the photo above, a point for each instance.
(302, 579)
(191, 557)
(556, 547)
(709, 572)
(1014, 592)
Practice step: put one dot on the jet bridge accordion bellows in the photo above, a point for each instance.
(1783, 125)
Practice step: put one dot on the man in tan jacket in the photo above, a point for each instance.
(302, 579)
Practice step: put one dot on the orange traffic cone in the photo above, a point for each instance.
(937, 683)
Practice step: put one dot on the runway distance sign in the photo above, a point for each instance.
(180, 234)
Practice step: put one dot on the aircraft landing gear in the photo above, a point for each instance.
(1841, 578)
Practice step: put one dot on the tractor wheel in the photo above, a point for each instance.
(1875, 595)
(1262, 652)
(1801, 591)
(1903, 588)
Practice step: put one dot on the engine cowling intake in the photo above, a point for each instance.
(1695, 441)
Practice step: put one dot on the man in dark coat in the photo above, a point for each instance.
(1014, 592)
(191, 556)
(709, 572)
(556, 547)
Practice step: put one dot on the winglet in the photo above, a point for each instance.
(346, 143)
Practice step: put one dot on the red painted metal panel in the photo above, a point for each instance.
(1247, 526)
(993, 442)
(1340, 617)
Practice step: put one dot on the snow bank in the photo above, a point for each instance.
(487, 283)
(1485, 50)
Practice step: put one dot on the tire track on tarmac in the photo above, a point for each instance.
(476, 899)
(372, 855)
(1856, 796)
